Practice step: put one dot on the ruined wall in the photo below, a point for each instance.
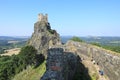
(107, 60)
(60, 65)
(42, 17)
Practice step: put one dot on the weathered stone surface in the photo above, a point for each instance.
(108, 61)
(43, 37)
(60, 65)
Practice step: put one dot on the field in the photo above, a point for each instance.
(11, 51)
(7, 43)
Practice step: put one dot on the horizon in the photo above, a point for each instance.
(60, 36)
(68, 18)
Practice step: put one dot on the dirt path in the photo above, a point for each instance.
(94, 70)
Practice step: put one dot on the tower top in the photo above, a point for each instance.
(42, 17)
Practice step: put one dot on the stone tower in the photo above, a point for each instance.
(42, 17)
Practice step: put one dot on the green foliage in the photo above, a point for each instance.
(31, 73)
(4, 43)
(52, 31)
(11, 65)
(76, 39)
(1, 50)
(96, 44)
(112, 48)
(81, 72)
(28, 54)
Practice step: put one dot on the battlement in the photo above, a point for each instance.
(42, 17)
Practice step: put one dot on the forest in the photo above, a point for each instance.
(12, 65)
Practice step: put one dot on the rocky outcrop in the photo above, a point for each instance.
(60, 65)
(43, 37)
(108, 61)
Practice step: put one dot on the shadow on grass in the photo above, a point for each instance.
(81, 71)
(40, 58)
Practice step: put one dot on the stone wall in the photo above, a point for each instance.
(42, 17)
(60, 65)
(108, 61)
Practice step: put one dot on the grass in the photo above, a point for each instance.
(31, 73)
(77, 39)
(94, 76)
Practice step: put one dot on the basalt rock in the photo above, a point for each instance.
(108, 61)
(43, 37)
(61, 63)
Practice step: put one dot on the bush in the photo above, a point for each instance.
(96, 44)
(11, 65)
(52, 31)
(28, 55)
(112, 48)
(76, 39)
(109, 47)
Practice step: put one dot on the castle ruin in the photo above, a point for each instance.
(42, 17)
(60, 65)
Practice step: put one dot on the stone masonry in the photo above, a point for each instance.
(41, 17)
(108, 61)
(60, 65)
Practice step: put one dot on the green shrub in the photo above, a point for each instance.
(112, 48)
(76, 39)
(109, 47)
(52, 31)
(96, 44)
(11, 65)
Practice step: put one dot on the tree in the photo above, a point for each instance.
(28, 55)
(76, 39)
(96, 44)
(11, 65)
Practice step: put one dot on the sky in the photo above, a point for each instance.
(67, 17)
